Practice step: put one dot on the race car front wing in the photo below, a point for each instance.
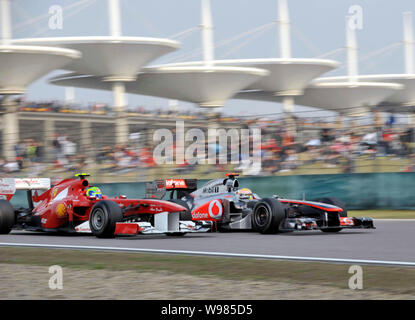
(135, 228)
(313, 224)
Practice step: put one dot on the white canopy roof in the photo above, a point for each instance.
(342, 97)
(401, 101)
(118, 58)
(286, 76)
(205, 86)
(22, 65)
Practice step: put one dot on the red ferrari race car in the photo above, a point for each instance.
(231, 208)
(73, 205)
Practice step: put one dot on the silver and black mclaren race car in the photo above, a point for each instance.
(230, 207)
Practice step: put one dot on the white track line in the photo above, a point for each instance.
(215, 254)
(400, 220)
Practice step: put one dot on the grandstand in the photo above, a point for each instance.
(39, 137)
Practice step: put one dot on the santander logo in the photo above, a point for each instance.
(177, 183)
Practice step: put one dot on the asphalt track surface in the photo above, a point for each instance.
(392, 241)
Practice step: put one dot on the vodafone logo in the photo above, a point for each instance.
(215, 209)
(198, 215)
(208, 211)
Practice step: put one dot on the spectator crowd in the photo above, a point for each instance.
(310, 146)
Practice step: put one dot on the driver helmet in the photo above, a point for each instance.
(94, 192)
(245, 194)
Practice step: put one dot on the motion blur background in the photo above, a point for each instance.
(55, 141)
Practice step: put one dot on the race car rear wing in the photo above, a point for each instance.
(8, 186)
(158, 188)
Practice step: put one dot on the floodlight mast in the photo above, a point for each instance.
(118, 84)
(6, 33)
(352, 50)
(114, 11)
(284, 29)
(285, 45)
(409, 44)
(207, 34)
(208, 39)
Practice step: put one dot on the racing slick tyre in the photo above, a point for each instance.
(104, 217)
(338, 203)
(7, 217)
(185, 215)
(267, 216)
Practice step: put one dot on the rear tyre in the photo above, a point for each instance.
(104, 217)
(7, 217)
(338, 203)
(185, 215)
(267, 216)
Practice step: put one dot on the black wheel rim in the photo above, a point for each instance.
(98, 219)
(261, 215)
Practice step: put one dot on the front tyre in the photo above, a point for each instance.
(104, 217)
(267, 216)
(7, 217)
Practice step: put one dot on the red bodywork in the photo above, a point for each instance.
(209, 211)
(67, 202)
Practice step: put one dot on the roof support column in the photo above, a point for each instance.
(69, 95)
(408, 40)
(48, 137)
(121, 122)
(289, 120)
(6, 32)
(340, 122)
(10, 134)
(288, 102)
(86, 137)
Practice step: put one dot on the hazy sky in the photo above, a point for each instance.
(318, 27)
